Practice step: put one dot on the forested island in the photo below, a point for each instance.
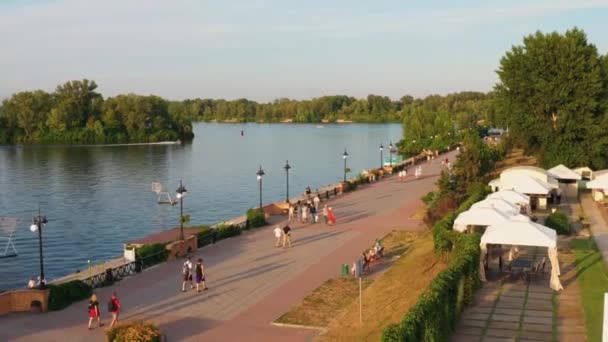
(75, 114)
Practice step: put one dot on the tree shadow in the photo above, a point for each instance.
(187, 327)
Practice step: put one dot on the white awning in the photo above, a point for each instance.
(562, 172)
(499, 204)
(600, 182)
(511, 196)
(519, 232)
(479, 217)
(528, 185)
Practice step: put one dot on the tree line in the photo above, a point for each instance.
(76, 113)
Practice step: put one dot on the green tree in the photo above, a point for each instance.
(550, 95)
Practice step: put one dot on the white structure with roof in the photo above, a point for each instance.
(512, 196)
(599, 187)
(497, 203)
(482, 217)
(519, 232)
(567, 179)
(529, 180)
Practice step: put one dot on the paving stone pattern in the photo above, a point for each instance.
(515, 310)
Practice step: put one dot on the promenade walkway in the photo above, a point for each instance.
(251, 282)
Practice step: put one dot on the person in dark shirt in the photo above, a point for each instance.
(286, 236)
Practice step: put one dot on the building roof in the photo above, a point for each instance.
(511, 196)
(479, 217)
(528, 185)
(562, 172)
(520, 232)
(499, 204)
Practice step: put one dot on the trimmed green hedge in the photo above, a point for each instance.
(435, 314)
(559, 222)
(63, 295)
(152, 254)
(256, 218)
(225, 231)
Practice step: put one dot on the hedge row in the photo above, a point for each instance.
(256, 218)
(62, 295)
(435, 314)
(152, 254)
(433, 317)
(443, 235)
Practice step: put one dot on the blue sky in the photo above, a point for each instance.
(269, 49)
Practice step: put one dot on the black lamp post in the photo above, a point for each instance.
(180, 193)
(37, 223)
(287, 167)
(260, 173)
(381, 159)
(344, 156)
(390, 151)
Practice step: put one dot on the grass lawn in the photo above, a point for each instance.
(328, 300)
(389, 297)
(592, 278)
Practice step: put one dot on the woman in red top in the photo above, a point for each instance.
(94, 311)
(114, 308)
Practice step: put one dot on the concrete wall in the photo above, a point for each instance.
(21, 300)
(179, 249)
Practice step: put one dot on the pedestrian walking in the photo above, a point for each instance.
(313, 214)
(291, 213)
(94, 313)
(331, 218)
(286, 236)
(200, 275)
(316, 201)
(305, 214)
(114, 309)
(187, 274)
(278, 234)
(325, 213)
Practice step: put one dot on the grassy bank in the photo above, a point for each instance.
(385, 300)
(592, 278)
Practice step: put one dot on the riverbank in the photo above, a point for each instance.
(250, 282)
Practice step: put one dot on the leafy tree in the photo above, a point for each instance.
(552, 94)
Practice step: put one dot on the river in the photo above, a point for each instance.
(98, 197)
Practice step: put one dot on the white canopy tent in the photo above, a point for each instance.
(514, 197)
(562, 172)
(519, 232)
(479, 217)
(497, 203)
(600, 182)
(528, 185)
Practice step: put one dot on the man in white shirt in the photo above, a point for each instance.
(316, 201)
(278, 233)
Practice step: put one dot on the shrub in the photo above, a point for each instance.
(152, 254)
(349, 186)
(435, 314)
(559, 222)
(256, 218)
(225, 231)
(204, 236)
(62, 295)
(134, 332)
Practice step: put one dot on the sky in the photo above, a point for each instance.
(269, 49)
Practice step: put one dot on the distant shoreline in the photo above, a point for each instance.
(161, 143)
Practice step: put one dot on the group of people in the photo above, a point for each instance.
(32, 283)
(307, 212)
(95, 312)
(283, 236)
(367, 257)
(198, 270)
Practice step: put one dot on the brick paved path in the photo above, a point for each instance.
(513, 310)
(251, 282)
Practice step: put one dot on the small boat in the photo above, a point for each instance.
(319, 126)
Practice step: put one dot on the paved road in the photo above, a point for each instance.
(251, 282)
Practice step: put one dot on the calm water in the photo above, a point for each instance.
(96, 198)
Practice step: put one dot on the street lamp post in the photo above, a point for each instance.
(287, 167)
(381, 159)
(37, 223)
(260, 173)
(344, 156)
(180, 193)
(390, 151)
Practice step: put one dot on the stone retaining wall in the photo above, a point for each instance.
(21, 300)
